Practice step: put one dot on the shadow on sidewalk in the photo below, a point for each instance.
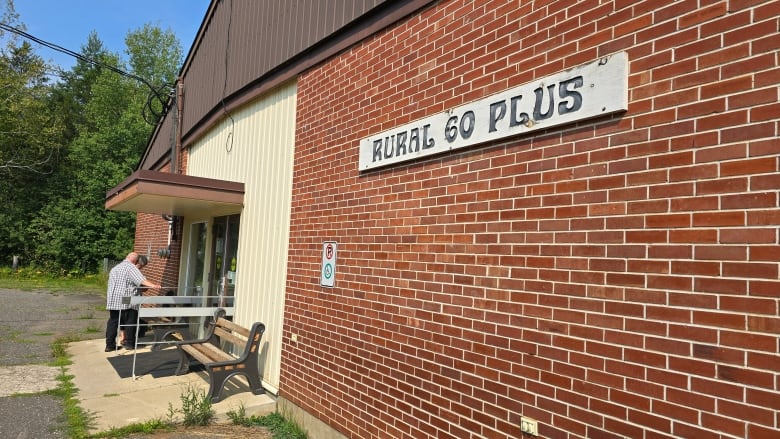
(157, 364)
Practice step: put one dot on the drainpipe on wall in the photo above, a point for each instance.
(178, 128)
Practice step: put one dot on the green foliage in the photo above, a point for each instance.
(77, 421)
(279, 425)
(147, 427)
(238, 417)
(93, 330)
(196, 408)
(29, 151)
(155, 55)
(31, 278)
(58, 351)
(74, 229)
(11, 17)
(63, 145)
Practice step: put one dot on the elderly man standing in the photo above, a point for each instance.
(123, 280)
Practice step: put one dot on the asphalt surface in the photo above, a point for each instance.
(29, 322)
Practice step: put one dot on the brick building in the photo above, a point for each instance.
(565, 211)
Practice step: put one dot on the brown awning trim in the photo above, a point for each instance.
(175, 194)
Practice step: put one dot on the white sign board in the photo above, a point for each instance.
(328, 272)
(587, 91)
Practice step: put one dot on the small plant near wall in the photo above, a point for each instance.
(280, 426)
(196, 408)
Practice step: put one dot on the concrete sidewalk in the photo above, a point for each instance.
(108, 391)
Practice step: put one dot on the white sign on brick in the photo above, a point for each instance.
(587, 91)
(328, 271)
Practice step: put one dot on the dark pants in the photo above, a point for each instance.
(129, 320)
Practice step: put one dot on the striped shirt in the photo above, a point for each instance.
(122, 282)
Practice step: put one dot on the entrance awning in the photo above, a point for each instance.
(175, 194)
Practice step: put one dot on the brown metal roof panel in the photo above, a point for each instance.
(255, 37)
(164, 140)
(244, 48)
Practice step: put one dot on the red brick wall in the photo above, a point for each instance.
(618, 278)
(151, 235)
(152, 232)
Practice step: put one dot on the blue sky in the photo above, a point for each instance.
(67, 23)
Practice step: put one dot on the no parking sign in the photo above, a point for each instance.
(328, 273)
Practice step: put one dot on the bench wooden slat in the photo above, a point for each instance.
(207, 352)
(221, 322)
(230, 337)
(197, 354)
(222, 365)
(215, 352)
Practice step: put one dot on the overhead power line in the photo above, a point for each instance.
(155, 91)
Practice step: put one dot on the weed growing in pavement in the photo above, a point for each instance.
(238, 417)
(58, 350)
(278, 424)
(147, 427)
(92, 329)
(77, 421)
(15, 335)
(195, 407)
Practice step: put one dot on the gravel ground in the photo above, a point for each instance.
(29, 322)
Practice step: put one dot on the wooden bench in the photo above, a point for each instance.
(214, 353)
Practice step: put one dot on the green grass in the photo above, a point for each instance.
(196, 408)
(93, 330)
(17, 336)
(147, 427)
(280, 426)
(77, 421)
(30, 279)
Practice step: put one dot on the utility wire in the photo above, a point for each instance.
(156, 92)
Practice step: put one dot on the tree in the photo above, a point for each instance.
(74, 90)
(9, 16)
(74, 231)
(155, 56)
(29, 143)
(24, 87)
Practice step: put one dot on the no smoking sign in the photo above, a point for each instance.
(328, 272)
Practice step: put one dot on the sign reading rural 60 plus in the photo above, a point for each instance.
(584, 92)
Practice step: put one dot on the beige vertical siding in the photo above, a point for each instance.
(256, 147)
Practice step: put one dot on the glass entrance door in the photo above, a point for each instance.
(211, 265)
(196, 260)
(223, 262)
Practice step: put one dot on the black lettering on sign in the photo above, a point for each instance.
(464, 128)
(402, 143)
(539, 93)
(389, 146)
(571, 101)
(565, 92)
